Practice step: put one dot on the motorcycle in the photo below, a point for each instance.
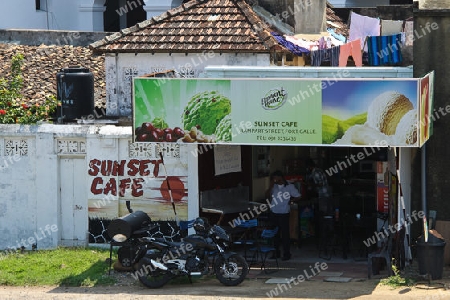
(198, 254)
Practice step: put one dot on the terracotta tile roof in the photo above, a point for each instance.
(41, 64)
(342, 27)
(198, 25)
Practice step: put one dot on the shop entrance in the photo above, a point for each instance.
(363, 198)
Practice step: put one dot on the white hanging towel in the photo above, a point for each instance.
(362, 27)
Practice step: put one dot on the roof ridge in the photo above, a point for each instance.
(262, 31)
(258, 28)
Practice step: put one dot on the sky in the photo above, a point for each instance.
(346, 98)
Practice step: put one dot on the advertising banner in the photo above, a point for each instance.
(382, 187)
(287, 111)
(426, 107)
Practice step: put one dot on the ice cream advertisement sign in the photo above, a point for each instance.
(294, 111)
(426, 107)
(226, 111)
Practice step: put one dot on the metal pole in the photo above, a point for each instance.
(169, 189)
(423, 178)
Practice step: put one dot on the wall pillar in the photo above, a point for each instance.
(431, 31)
(91, 15)
(155, 8)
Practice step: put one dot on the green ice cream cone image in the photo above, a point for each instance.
(223, 130)
(205, 110)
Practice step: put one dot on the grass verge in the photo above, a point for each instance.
(59, 267)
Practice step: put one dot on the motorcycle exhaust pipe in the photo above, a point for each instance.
(195, 273)
(158, 265)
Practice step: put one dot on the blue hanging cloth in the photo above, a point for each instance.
(384, 50)
(397, 54)
(295, 49)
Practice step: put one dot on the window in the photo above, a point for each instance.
(41, 4)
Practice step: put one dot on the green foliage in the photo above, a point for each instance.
(61, 267)
(340, 131)
(396, 280)
(159, 122)
(333, 129)
(13, 109)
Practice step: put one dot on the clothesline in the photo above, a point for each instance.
(362, 27)
(380, 40)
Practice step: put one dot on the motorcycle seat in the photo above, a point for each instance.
(169, 243)
(175, 244)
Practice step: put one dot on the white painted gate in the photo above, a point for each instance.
(74, 202)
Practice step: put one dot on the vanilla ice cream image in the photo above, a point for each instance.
(386, 110)
(363, 135)
(406, 131)
(391, 118)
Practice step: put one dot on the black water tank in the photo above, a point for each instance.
(75, 91)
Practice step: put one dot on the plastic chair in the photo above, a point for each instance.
(326, 246)
(245, 229)
(264, 248)
(184, 227)
(383, 252)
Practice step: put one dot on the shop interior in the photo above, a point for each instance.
(352, 172)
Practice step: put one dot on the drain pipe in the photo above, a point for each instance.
(423, 179)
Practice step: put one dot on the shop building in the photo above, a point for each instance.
(115, 158)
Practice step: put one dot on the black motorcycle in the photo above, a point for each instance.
(197, 254)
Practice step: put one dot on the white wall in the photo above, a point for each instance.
(45, 184)
(21, 14)
(80, 15)
(26, 204)
(122, 68)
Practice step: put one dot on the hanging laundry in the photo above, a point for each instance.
(337, 36)
(384, 50)
(335, 42)
(390, 27)
(352, 49)
(322, 43)
(301, 42)
(361, 27)
(329, 54)
(297, 50)
(409, 33)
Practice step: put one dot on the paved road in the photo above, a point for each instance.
(211, 289)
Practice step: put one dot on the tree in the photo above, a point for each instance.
(13, 108)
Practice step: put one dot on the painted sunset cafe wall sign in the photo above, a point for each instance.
(290, 111)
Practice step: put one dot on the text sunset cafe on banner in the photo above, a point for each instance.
(348, 112)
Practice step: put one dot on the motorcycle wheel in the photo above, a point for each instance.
(151, 276)
(231, 271)
(124, 255)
